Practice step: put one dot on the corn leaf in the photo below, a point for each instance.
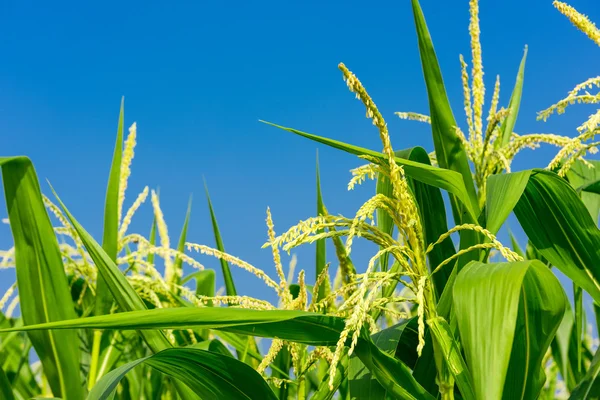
(41, 280)
(5, 387)
(321, 251)
(299, 326)
(449, 149)
(447, 345)
(448, 180)
(229, 285)
(589, 387)
(110, 237)
(570, 239)
(178, 264)
(503, 193)
(362, 383)
(210, 375)
(496, 302)
(508, 125)
(392, 374)
(585, 180)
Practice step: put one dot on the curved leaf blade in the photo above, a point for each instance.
(41, 280)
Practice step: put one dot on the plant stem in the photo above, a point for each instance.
(94, 361)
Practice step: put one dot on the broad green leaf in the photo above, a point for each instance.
(42, 284)
(503, 193)
(496, 302)
(446, 179)
(124, 295)
(589, 387)
(210, 375)
(570, 239)
(229, 285)
(508, 125)
(178, 264)
(321, 255)
(110, 237)
(541, 308)
(449, 149)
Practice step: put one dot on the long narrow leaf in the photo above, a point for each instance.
(449, 149)
(448, 180)
(41, 280)
(513, 106)
(110, 237)
(229, 285)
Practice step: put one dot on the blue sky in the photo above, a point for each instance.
(197, 76)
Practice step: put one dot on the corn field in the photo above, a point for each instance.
(443, 309)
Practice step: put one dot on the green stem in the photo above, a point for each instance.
(94, 361)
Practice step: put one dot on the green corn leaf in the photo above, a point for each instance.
(433, 219)
(299, 326)
(229, 285)
(496, 303)
(210, 375)
(579, 321)
(362, 383)
(449, 149)
(323, 392)
(152, 238)
(214, 345)
(589, 387)
(448, 180)
(515, 245)
(445, 343)
(585, 180)
(503, 194)
(508, 126)
(564, 350)
(178, 264)
(392, 374)
(5, 387)
(41, 280)
(321, 255)
(570, 239)
(110, 237)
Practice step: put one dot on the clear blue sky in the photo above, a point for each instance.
(197, 76)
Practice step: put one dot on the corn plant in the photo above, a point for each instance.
(425, 318)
